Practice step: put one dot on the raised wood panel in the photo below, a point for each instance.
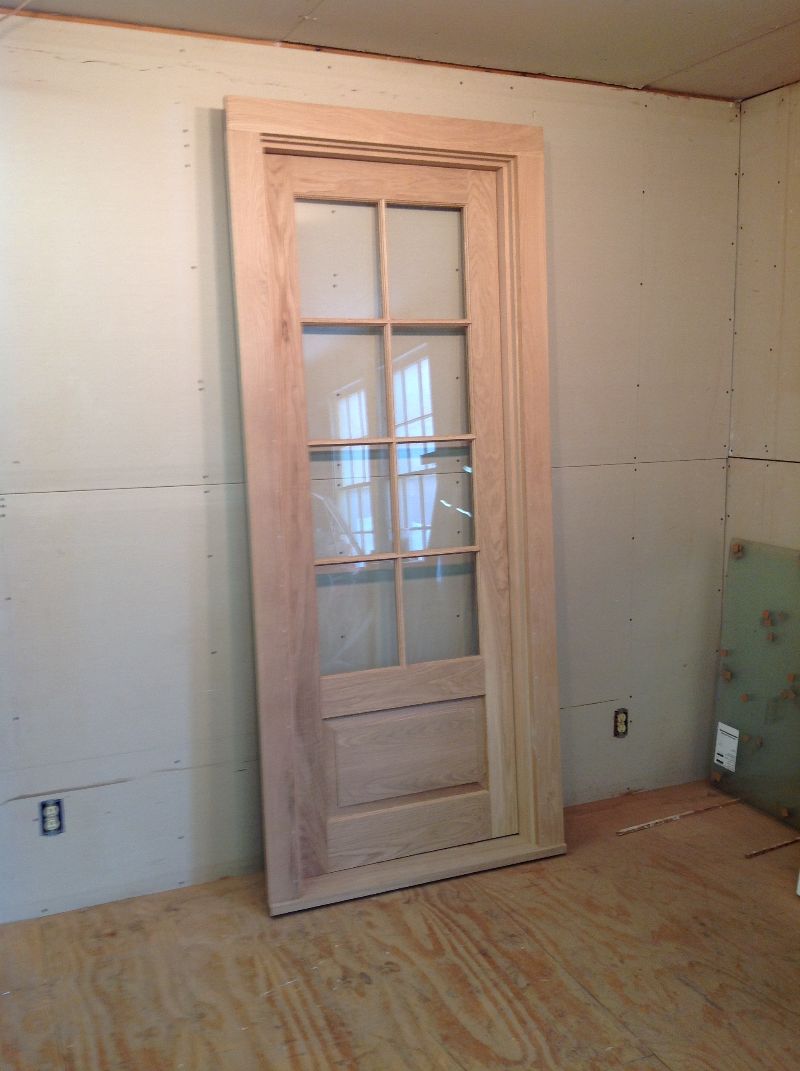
(400, 686)
(408, 829)
(400, 752)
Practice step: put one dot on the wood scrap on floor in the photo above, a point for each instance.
(772, 848)
(674, 817)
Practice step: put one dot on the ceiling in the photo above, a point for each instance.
(724, 48)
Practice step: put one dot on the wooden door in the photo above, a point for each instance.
(383, 435)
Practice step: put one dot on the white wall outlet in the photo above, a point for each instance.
(51, 817)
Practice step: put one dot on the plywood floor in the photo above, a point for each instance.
(664, 949)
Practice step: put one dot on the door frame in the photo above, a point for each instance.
(274, 422)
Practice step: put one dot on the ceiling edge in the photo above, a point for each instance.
(329, 50)
(765, 92)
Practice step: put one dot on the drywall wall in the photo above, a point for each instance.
(127, 687)
(764, 482)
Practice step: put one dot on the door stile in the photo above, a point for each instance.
(257, 314)
(292, 520)
(520, 197)
(486, 404)
(534, 447)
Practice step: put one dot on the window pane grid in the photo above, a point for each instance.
(410, 401)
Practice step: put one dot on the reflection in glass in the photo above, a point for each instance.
(357, 622)
(434, 491)
(426, 276)
(429, 379)
(345, 394)
(337, 252)
(350, 496)
(440, 612)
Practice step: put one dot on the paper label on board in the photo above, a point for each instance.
(726, 747)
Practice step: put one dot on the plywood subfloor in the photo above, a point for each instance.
(664, 949)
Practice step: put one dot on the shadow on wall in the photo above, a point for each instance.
(227, 574)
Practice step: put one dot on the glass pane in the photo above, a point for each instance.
(440, 611)
(434, 490)
(345, 392)
(350, 495)
(426, 276)
(357, 621)
(429, 378)
(337, 251)
(757, 734)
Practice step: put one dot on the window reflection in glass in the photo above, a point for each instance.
(412, 396)
(350, 495)
(434, 490)
(344, 382)
(429, 382)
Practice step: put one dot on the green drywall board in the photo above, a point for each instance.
(758, 693)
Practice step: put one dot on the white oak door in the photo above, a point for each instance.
(385, 482)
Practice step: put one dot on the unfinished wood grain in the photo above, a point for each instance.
(530, 494)
(484, 344)
(474, 191)
(29, 1030)
(292, 513)
(396, 686)
(414, 870)
(406, 829)
(261, 394)
(349, 180)
(388, 395)
(715, 947)
(22, 956)
(323, 153)
(325, 123)
(520, 1017)
(279, 520)
(416, 749)
(628, 953)
(382, 321)
(391, 556)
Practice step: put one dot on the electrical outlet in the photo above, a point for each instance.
(621, 721)
(51, 817)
